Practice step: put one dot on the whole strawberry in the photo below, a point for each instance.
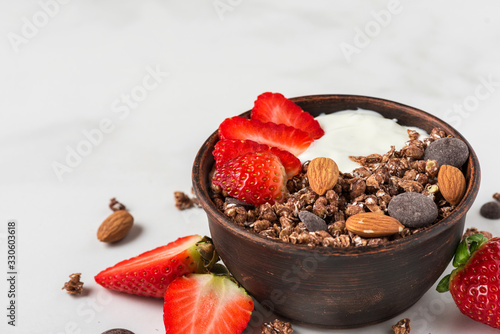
(475, 283)
(253, 177)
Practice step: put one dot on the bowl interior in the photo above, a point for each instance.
(316, 105)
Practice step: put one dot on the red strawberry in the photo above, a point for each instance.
(284, 137)
(206, 304)
(150, 273)
(475, 283)
(274, 107)
(253, 177)
(227, 149)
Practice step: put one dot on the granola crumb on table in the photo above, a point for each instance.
(473, 230)
(115, 205)
(368, 188)
(402, 327)
(277, 327)
(182, 201)
(73, 286)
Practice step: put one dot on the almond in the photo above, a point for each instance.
(115, 227)
(323, 174)
(371, 224)
(451, 183)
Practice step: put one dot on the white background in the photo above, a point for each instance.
(67, 66)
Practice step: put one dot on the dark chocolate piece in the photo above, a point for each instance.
(413, 209)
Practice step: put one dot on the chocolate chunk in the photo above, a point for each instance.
(413, 209)
(491, 210)
(237, 202)
(118, 331)
(312, 222)
(447, 151)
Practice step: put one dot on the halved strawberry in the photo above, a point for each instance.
(206, 304)
(253, 177)
(281, 136)
(227, 149)
(151, 272)
(274, 107)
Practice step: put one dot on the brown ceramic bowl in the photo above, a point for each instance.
(339, 288)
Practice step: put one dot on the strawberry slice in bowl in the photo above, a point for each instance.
(227, 149)
(282, 136)
(253, 177)
(275, 108)
(208, 304)
(149, 273)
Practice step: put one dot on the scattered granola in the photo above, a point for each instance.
(402, 327)
(368, 188)
(73, 286)
(182, 201)
(277, 327)
(473, 230)
(115, 205)
(496, 196)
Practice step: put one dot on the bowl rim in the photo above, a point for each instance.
(202, 191)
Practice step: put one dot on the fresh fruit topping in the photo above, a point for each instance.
(227, 149)
(206, 304)
(253, 177)
(474, 284)
(281, 136)
(274, 107)
(150, 273)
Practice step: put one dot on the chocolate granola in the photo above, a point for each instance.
(368, 188)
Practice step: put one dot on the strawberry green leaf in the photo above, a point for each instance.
(462, 254)
(444, 284)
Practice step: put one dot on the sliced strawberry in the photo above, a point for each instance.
(227, 149)
(253, 177)
(284, 137)
(206, 304)
(150, 273)
(274, 107)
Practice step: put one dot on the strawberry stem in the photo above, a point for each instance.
(207, 252)
(464, 251)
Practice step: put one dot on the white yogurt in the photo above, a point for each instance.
(356, 133)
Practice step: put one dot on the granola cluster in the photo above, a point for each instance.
(368, 188)
(276, 327)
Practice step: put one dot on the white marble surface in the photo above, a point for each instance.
(70, 67)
